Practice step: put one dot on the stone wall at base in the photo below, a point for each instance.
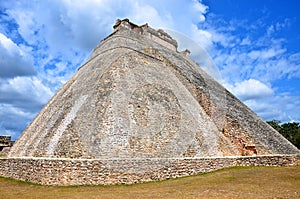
(50, 171)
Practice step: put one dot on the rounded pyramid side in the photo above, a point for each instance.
(135, 98)
(124, 103)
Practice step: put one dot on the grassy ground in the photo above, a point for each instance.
(238, 182)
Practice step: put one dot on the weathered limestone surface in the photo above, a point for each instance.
(51, 171)
(138, 101)
(138, 98)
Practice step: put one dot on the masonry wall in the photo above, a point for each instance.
(5, 141)
(125, 171)
(5, 144)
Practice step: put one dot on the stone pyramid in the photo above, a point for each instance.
(138, 97)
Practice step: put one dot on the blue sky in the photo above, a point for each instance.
(253, 46)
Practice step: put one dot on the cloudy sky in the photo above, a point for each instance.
(253, 44)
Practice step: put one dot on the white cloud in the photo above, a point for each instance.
(252, 89)
(200, 9)
(202, 37)
(249, 61)
(13, 120)
(283, 107)
(63, 28)
(245, 41)
(268, 110)
(27, 25)
(20, 100)
(266, 53)
(81, 24)
(65, 31)
(145, 13)
(27, 93)
(65, 25)
(14, 61)
(198, 53)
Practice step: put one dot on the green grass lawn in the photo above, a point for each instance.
(237, 182)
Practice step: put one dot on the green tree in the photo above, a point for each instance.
(275, 124)
(290, 130)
